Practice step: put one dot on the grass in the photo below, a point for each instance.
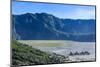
(23, 54)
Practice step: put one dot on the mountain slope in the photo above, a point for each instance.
(43, 26)
(22, 54)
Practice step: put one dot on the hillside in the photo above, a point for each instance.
(23, 54)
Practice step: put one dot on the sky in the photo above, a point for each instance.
(59, 10)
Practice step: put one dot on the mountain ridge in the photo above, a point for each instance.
(41, 25)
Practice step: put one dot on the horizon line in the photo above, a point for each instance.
(54, 16)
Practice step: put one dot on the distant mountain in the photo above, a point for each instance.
(43, 26)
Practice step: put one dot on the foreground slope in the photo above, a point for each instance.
(23, 54)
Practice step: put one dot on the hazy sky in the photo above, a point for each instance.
(58, 10)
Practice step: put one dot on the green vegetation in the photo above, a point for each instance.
(43, 43)
(23, 54)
